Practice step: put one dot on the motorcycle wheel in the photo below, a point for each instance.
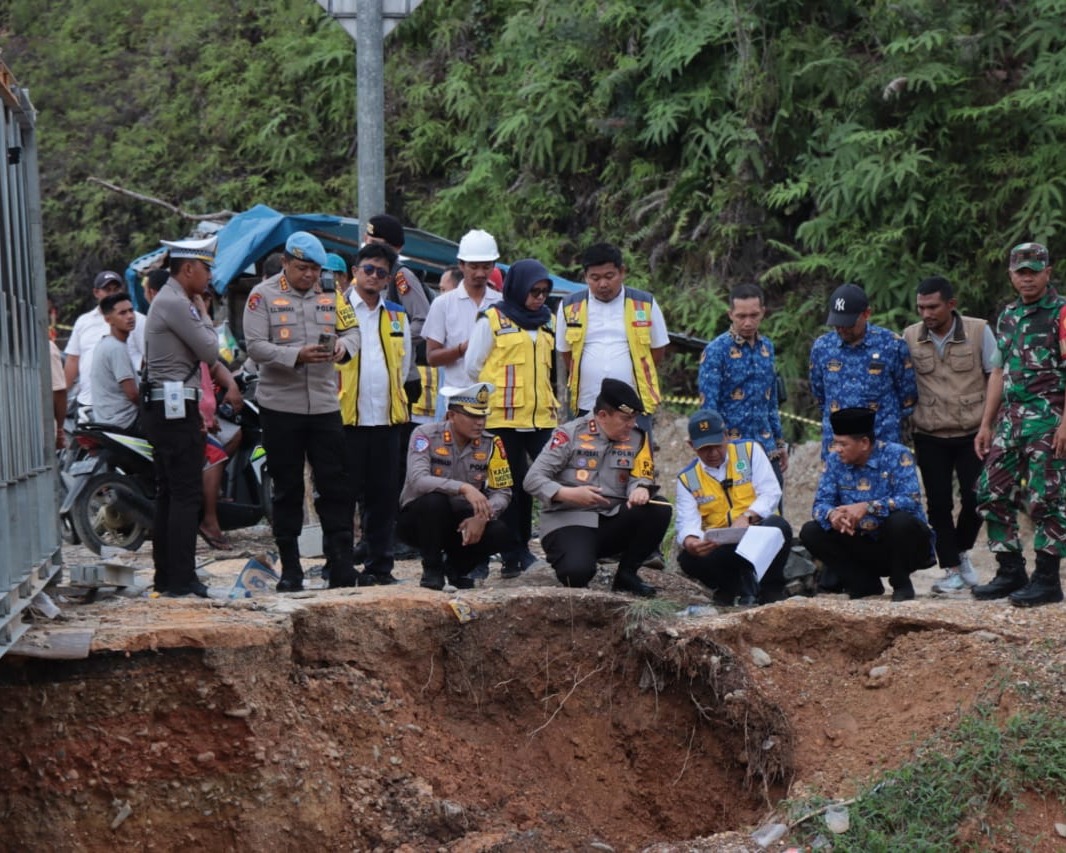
(99, 522)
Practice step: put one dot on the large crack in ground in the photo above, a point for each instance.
(548, 722)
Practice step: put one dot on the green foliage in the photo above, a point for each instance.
(954, 780)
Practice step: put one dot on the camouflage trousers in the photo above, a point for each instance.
(1023, 473)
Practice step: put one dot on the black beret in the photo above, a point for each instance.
(618, 395)
(387, 228)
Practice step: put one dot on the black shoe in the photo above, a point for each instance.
(903, 592)
(829, 581)
(1044, 587)
(633, 584)
(1010, 577)
(511, 569)
(290, 583)
(195, 588)
(432, 579)
(464, 582)
(343, 579)
(375, 579)
(867, 590)
(360, 552)
(401, 551)
(480, 572)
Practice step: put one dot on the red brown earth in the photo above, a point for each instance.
(373, 719)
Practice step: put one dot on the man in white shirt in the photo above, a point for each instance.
(452, 315)
(89, 328)
(611, 332)
(729, 485)
(374, 406)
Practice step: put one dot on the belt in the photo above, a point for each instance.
(156, 394)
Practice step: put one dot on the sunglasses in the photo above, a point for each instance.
(370, 269)
(540, 292)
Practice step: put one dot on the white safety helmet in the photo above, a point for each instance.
(478, 245)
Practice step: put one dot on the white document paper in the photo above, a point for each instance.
(724, 535)
(759, 546)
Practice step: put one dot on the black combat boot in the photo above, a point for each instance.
(339, 547)
(627, 580)
(432, 577)
(1044, 587)
(292, 573)
(1010, 576)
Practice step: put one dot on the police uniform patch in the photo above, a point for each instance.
(582, 475)
(420, 444)
(443, 451)
(402, 285)
(254, 300)
(481, 456)
(193, 312)
(559, 438)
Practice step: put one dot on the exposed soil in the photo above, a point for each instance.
(374, 719)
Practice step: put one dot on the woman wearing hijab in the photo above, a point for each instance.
(513, 347)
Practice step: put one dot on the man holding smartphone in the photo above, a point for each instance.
(296, 332)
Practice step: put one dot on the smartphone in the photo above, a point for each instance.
(327, 342)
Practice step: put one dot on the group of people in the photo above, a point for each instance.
(437, 422)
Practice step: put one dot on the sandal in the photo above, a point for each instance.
(219, 543)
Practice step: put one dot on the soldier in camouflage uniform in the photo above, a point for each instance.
(1022, 436)
(861, 365)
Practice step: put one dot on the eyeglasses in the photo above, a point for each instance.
(370, 269)
(540, 292)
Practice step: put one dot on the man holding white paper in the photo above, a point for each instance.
(731, 487)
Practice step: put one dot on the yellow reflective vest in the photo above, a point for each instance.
(520, 368)
(720, 503)
(638, 334)
(427, 403)
(391, 320)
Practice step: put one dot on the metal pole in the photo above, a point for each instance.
(370, 111)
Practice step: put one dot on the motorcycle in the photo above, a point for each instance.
(109, 498)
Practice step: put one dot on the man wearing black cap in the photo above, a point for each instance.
(868, 517)
(404, 286)
(731, 485)
(595, 481)
(1022, 438)
(88, 330)
(862, 365)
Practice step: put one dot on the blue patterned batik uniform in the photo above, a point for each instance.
(875, 373)
(888, 481)
(738, 381)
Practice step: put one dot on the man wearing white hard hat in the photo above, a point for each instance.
(452, 315)
(458, 484)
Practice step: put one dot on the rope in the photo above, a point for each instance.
(695, 401)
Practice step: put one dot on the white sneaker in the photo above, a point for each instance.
(952, 582)
(967, 571)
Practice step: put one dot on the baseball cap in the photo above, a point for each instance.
(846, 304)
(706, 427)
(106, 277)
(473, 399)
(306, 247)
(387, 228)
(1029, 256)
(621, 396)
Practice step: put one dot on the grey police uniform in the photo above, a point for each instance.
(579, 454)
(406, 288)
(431, 506)
(301, 417)
(177, 338)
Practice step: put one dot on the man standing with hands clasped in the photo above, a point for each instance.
(1022, 438)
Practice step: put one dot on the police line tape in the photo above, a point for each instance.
(695, 401)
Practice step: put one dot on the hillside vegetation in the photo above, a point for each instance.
(800, 144)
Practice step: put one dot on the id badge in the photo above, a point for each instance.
(173, 400)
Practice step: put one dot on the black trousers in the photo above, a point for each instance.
(941, 460)
(289, 439)
(901, 547)
(431, 524)
(372, 455)
(724, 571)
(178, 454)
(633, 533)
(522, 447)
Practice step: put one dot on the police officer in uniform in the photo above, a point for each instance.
(868, 517)
(295, 332)
(595, 481)
(178, 336)
(458, 483)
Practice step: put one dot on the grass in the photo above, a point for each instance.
(646, 610)
(956, 778)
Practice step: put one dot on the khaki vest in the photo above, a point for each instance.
(520, 368)
(719, 505)
(951, 390)
(638, 334)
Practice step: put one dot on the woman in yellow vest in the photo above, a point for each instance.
(512, 347)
